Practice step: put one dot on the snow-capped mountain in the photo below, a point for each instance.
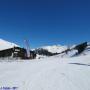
(55, 48)
(49, 50)
(64, 51)
(5, 44)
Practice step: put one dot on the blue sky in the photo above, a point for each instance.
(45, 22)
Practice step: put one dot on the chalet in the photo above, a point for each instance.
(16, 52)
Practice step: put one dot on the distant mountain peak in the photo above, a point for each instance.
(55, 48)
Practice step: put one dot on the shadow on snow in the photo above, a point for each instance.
(80, 64)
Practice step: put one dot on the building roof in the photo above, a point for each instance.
(6, 45)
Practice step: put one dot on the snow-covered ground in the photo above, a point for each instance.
(60, 72)
(49, 73)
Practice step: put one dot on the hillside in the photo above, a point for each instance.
(64, 51)
(55, 48)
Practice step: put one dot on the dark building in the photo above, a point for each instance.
(17, 52)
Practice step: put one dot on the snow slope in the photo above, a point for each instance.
(50, 73)
(55, 48)
(5, 44)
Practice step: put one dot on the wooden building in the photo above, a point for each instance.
(17, 52)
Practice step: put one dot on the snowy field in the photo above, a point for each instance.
(51, 73)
